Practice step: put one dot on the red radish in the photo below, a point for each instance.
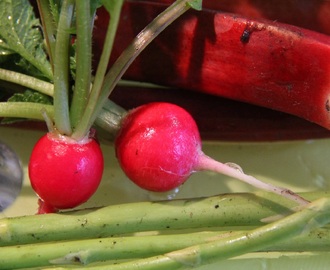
(159, 147)
(65, 173)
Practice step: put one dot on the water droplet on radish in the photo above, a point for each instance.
(161, 196)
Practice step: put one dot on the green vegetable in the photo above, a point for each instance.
(19, 32)
(315, 215)
(147, 216)
(119, 248)
(190, 232)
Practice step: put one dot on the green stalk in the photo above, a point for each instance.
(84, 61)
(83, 128)
(27, 81)
(259, 260)
(25, 110)
(119, 248)
(95, 250)
(314, 215)
(49, 30)
(108, 122)
(218, 211)
(61, 69)
(141, 41)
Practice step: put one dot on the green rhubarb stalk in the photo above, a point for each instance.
(142, 40)
(25, 110)
(61, 69)
(129, 247)
(218, 211)
(84, 60)
(114, 8)
(27, 81)
(313, 216)
(96, 250)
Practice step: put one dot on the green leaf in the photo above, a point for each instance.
(21, 32)
(4, 48)
(73, 62)
(31, 96)
(95, 5)
(27, 96)
(55, 7)
(195, 4)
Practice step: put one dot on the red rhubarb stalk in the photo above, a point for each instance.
(270, 64)
(310, 14)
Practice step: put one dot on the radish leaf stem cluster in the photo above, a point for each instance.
(75, 118)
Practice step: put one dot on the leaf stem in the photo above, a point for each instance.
(84, 126)
(108, 122)
(48, 28)
(25, 110)
(61, 69)
(27, 81)
(84, 61)
(140, 42)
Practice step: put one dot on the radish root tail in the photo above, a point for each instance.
(235, 171)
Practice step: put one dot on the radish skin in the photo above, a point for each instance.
(159, 147)
(64, 173)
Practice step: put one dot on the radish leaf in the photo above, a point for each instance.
(31, 96)
(20, 31)
(55, 7)
(4, 50)
(195, 4)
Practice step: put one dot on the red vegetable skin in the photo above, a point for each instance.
(159, 147)
(64, 173)
(273, 65)
(310, 14)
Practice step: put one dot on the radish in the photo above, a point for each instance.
(65, 173)
(159, 147)
(66, 165)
